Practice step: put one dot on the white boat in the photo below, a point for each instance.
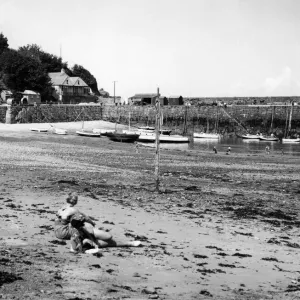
(152, 130)
(163, 138)
(291, 140)
(146, 128)
(58, 130)
(269, 138)
(88, 133)
(39, 129)
(203, 135)
(103, 131)
(251, 136)
(130, 131)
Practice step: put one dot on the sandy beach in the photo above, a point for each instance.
(221, 227)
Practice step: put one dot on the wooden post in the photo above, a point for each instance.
(157, 133)
(290, 119)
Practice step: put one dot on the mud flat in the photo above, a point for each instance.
(221, 227)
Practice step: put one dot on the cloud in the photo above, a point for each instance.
(283, 84)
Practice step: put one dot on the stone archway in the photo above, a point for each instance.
(24, 101)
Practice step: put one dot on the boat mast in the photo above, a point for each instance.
(272, 119)
(290, 119)
(157, 133)
(207, 125)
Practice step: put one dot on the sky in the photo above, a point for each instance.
(192, 48)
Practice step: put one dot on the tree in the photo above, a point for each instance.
(3, 43)
(33, 51)
(21, 73)
(50, 62)
(86, 76)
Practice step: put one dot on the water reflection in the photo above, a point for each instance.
(247, 145)
(237, 145)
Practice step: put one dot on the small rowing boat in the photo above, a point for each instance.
(39, 129)
(147, 129)
(163, 138)
(59, 131)
(269, 138)
(203, 135)
(103, 131)
(122, 137)
(297, 140)
(251, 136)
(88, 133)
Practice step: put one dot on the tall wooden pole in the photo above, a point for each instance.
(290, 119)
(157, 133)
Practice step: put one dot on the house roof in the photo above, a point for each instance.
(59, 78)
(143, 96)
(29, 92)
(174, 97)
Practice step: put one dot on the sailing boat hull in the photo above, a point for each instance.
(163, 138)
(268, 139)
(291, 140)
(122, 137)
(87, 133)
(251, 136)
(204, 135)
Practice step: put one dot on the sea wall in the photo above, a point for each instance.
(255, 117)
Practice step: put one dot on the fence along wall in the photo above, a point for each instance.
(174, 117)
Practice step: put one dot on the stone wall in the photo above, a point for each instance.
(197, 118)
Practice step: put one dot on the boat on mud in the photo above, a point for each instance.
(88, 133)
(287, 140)
(248, 136)
(59, 131)
(204, 135)
(163, 138)
(103, 131)
(269, 138)
(39, 129)
(123, 137)
(147, 129)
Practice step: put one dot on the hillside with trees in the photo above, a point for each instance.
(27, 69)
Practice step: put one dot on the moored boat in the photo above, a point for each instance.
(39, 129)
(103, 131)
(123, 137)
(59, 131)
(163, 138)
(152, 130)
(204, 135)
(251, 136)
(269, 138)
(88, 133)
(297, 140)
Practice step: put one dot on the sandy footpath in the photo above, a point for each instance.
(221, 227)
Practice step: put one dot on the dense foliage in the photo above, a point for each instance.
(87, 77)
(21, 73)
(28, 68)
(3, 43)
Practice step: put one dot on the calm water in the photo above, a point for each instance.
(237, 145)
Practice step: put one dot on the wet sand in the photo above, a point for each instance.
(221, 227)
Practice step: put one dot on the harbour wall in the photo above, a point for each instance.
(179, 118)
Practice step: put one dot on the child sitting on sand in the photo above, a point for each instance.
(75, 226)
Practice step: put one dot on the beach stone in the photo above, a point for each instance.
(149, 291)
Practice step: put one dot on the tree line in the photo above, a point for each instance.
(27, 68)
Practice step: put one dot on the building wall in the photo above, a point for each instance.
(31, 98)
